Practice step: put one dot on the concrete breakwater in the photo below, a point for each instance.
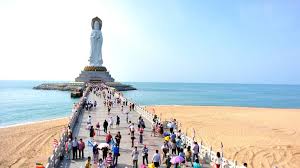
(72, 86)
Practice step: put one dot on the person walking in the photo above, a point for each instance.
(108, 138)
(116, 152)
(132, 139)
(110, 122)
(195, 151)
(141, 135)
(173, 147)
(89, 121)
(127, 117)
(68, 146)
(118, 121)
(118, 138)
(81, 146)
(218, 160)
(135, 156)
(101, 164)
(156, 159)
(105, 125)
(196, 164)
(74, 148)
(98, 128)
(188, 155)
(104, 152)
(109, 160)
(168, 161)
(153, 129)
(165, 149)
(92, 132)
(88, 163)
(145, 151)
(178, 144)
(95, 153)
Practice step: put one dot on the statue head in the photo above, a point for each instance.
(96, 23)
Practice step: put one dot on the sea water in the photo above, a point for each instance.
(242, 95)
(19, 103)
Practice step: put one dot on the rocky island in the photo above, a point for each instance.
(72, 86)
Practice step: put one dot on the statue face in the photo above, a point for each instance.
(97, 25)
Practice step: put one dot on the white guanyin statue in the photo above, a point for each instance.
(96, 43)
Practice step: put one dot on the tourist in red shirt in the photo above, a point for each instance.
(108, 137)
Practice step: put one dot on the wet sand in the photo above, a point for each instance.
(24, 145)
(262, 137)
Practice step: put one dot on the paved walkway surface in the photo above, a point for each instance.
(99, 115)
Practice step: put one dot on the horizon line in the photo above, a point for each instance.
(173, 82)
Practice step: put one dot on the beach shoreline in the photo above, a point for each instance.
(27, 144)
(32, 122)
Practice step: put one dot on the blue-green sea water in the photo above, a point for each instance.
(19, 103)
(245, 95)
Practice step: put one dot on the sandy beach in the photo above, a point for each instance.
(262, 137)
(24, 145)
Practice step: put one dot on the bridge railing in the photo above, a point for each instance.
(59, 151)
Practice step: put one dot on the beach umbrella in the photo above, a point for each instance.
(103, 145)
(166, 134)
(167, 138)
(177, 159)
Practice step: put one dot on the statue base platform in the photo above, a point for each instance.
(94, 74)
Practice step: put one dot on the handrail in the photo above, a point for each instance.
(54, 159)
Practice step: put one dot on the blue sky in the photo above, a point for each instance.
(155, 41)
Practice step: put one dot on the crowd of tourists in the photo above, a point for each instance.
(174, 151)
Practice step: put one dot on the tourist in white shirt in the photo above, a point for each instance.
(74, 148)
(135, 156)
(218, 160)
(89, 122)
(156, 159)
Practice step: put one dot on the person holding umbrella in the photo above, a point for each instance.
(104, 152)
(176, 160)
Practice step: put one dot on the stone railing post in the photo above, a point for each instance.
(54, 157)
